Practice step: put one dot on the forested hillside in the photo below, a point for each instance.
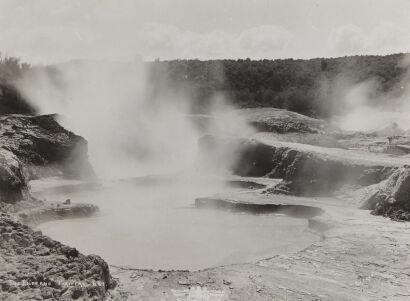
(10, 100)
(304, 86)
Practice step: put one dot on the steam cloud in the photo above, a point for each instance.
(132, 130)
(366, 108)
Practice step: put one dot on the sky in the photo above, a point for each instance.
(49, 31)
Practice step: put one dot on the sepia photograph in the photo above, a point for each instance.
(205, 150)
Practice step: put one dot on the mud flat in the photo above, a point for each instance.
(355, 255)
(157, 226)
(360, 256)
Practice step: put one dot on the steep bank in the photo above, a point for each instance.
(305, 170)
(290, 147)
(37, 146)
(392, 196)
(34, 266)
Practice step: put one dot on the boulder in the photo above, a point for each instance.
(392, 198)
(36, 146)
(13, 180)
(44, 146)
(35, 267)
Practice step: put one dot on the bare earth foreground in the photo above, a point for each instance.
(325, 176)
(360, 257)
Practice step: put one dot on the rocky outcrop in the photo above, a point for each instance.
(13, 178)
(308, 174)
(35, 146)
(44, 146)
(398, 150)
(392, 198)
(303, 172)
(55, 212)
(242, 157)
(246, 184)
(33, 266)
(300, 211)
(282, 121)
(36, 267)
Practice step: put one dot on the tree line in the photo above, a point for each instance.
(303, 86)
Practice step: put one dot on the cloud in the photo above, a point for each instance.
(384, 38)
(267, 41)
(148, 40)
(348, 39)
(45, 31)
(388, 37)
(264, 40)
(53, 32)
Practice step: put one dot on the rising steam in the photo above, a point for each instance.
(366, 108)
(131, 129)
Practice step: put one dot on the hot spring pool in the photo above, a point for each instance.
(153, 224)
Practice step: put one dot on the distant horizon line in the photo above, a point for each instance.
(74, 60)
